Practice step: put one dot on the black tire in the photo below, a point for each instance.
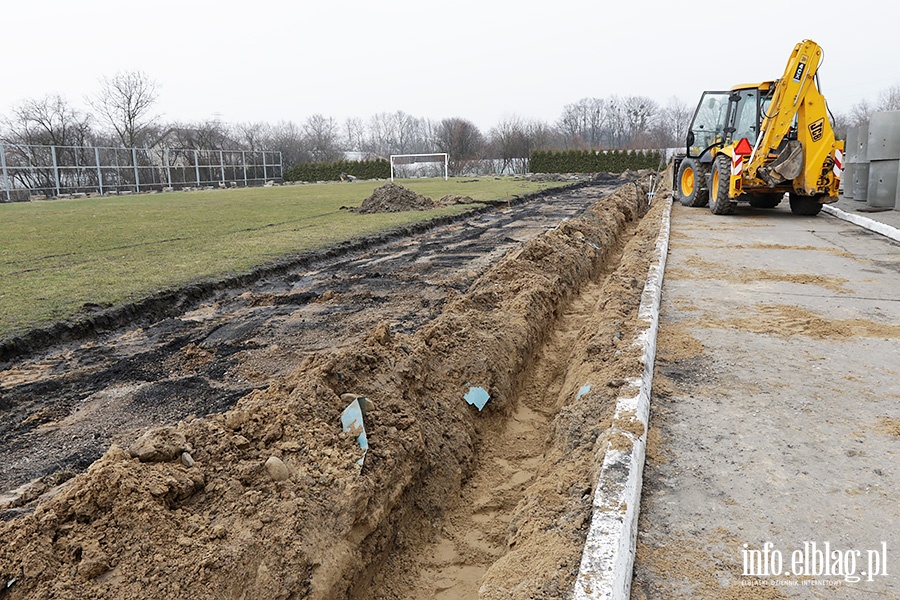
(807, 206)
(719, 202)
(690, 183)
(765, 200)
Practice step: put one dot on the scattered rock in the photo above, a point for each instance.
(158, 445)
(276, 469)
(187, 460)
(451, 199)
(94, 561)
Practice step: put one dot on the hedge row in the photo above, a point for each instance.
(367, 169)
(592, 161)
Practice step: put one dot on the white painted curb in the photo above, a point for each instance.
(608, 557)
(865, 222)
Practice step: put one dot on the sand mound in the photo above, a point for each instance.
(392, 197)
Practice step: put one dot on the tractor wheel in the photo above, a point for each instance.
(690, 183)
(765, 200)
(719, 202)
(805, 205)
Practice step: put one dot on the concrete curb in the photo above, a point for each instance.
(864, 222)
(608, 558)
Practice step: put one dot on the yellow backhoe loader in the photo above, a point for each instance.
(754, 143)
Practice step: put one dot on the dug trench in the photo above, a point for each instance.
(267, 500)
(61, 408)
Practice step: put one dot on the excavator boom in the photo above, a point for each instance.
(795, 85)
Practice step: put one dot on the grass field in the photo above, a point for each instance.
(59, 255)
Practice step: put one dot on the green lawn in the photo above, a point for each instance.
(57, 255)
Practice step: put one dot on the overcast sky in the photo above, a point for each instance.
(481, 60)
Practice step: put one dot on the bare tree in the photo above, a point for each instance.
(583, 123)
(640, 113)
(48, 121)
(321, 136)
(251, 136)
(37, 124)
(406, 133)
(288, 138)
(889, 99)
(860, 112)
(125, 102)
(674, 120)
(397, 133)
(514, 139)
(461, 139)
(354, 134)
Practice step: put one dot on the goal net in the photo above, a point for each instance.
(406, 166)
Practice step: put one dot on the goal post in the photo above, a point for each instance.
(441, 158)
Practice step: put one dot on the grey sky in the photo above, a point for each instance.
(481, 60)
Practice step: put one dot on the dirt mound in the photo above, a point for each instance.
(451, 199)
(393, 197)
(268, 500)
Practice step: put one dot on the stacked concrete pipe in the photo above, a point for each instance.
(884, 159)
(851, 147)
(860, 183)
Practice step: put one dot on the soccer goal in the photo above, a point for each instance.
(420, 165)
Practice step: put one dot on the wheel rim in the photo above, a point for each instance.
(715, 184)
(687, 181)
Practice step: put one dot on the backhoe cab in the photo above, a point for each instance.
(754, 143)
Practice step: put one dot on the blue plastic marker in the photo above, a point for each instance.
(477, 396)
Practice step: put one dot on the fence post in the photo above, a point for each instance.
(280, 166)
(99, 172)
(265, 173)
(244, 163)
(55, 168)
(222, 165)
(197, 166)
(6, 185)
(168, 166)
(137, 182)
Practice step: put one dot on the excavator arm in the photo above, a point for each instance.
(795, 98)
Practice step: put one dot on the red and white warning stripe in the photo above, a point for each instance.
(838, 163)
(737, 165)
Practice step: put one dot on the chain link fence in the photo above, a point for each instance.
(29, 172)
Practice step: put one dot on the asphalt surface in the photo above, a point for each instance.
(775, 419)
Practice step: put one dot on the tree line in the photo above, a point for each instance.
(122, 115)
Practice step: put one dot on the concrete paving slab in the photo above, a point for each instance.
(775, 418)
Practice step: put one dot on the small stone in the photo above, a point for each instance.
(276, 469)
(158, 445)
(241, 442)
(219, 531)
(187, 460)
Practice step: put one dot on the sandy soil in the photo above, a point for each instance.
(267, 499)
(517, 527)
